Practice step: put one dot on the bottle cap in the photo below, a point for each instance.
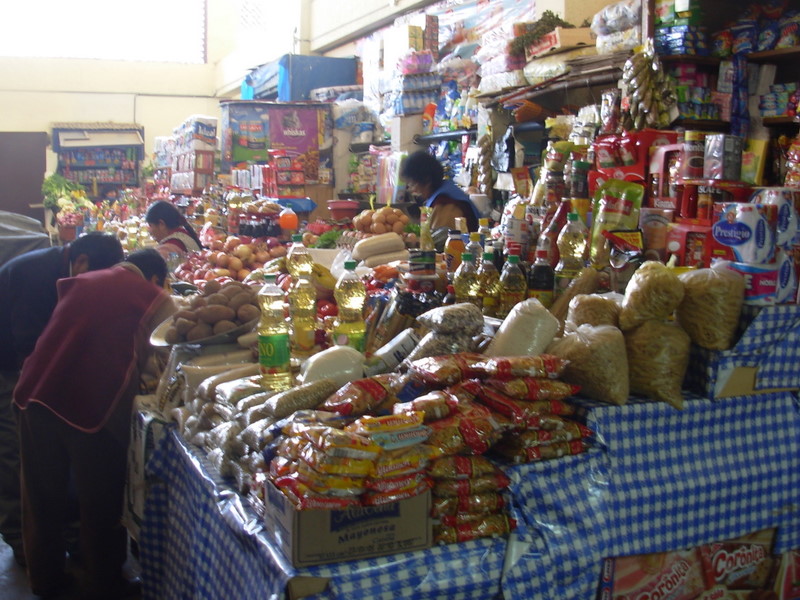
(541, 254)
(270, 277)
(487, 256)
(297, 237)
(350, 265)
(451, 289)
(572, 216)
(483, 222)
(454, 232)
(513, 258)
(474, 237)
(466, 256)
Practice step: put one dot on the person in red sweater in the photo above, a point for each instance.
(74, 399)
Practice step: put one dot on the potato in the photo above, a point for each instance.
(240, 299)
(214, 313)
(212, 287)
(184, 325)
(185, 314)
(248, 312)
(172, 336)
(223, 326)
(197, 301)
(217, 298)
(199, 331)
(232, 288)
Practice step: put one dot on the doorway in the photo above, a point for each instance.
(22, 168)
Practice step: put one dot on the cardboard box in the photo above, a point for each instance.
(560, 39)
(314, 537)
(691, 244)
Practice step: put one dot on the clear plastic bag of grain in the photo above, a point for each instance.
(464, 318)
(593, 309)
(598, 362)
(658, 355)
(711, 307)
(438, 344)
(526, 331)
(654, 292)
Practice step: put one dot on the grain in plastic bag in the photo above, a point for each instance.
(598, 362)
(464, 318)
(711, 307)
(658, 355)
(654, 292)
(526, 331)
(593, 309)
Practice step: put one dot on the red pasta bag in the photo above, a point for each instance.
(434, 405)
(395, 463)
(362, 395)
(304, 498)
(460, 519)
(461, 467)
(378, 498)
(509, 367)
(539, 437)
(472, 430)
(518, 454)
(441, 371)
(535, 388)
(522, 414)
(470, 487)
(489, 526)
(476, 504)
(396, 484)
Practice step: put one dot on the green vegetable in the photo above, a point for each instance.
(411, 228)
(542, 27)
(328, 239)
(55, 186)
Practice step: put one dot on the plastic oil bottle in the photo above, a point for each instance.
(513, 286)
(302, 298)
(474, 247)
(572, 252)
(465, 281)
(351, 295)
(488, 285)
(273, 338)
(484, 230)
(298, 259)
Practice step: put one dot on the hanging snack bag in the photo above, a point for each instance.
(616, 206)
(654, 292)
(609, 111)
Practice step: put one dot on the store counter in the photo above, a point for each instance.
(656, 479)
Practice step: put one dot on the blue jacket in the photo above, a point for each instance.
(451, 190)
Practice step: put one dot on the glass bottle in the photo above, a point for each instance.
(351, 296)
(273, 338)
(513, 286)
(488, 285)
(465, 281)
(572, 252)
(541, 279)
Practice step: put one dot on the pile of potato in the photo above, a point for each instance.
(382, 220)
(220, 308)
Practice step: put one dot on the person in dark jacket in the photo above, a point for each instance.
(27, 299)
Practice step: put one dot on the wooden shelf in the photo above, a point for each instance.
(712, 61)
(360, 148)
(702, 124)
(441, 136)
(779, 55)
(771, 121)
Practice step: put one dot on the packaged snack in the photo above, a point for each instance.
(745, 563)
(362, 395)
(508, 367)
(368, 425)
(654, 292)
(520, 454)
(394, 440)
(472, 430)
(711, 306)
(489, 526)
(464, 318)
(526, 331)
(461, 467)
(395, 463)
(336, 442)
(616, 206)
(476, 504)
(433, 405)
(468, 487)
(658, 355)
(549, 392)
(442, 371)
(598, 362)
(326, 484)
(522, 414)
(609, 110)
(335, 465)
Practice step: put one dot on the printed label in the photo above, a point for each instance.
(273, 353)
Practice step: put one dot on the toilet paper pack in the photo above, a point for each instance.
(783, 199)
(744, 232)
(767, 284)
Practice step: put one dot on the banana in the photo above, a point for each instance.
(323, 277)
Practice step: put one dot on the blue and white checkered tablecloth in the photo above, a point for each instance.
(200, 542)
(658, 479)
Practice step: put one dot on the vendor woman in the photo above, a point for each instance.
(171, 230)
(424, 177)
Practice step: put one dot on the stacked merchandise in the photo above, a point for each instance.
(780, 101)
(284, 176)
(411, 91)
(194, 155)
(498, 67)
(760, 27)
(696, 98)
(682, 40)
(618, 26)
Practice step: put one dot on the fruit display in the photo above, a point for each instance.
(321, 277)
(377, 222)
(229, 258)
(221, 307)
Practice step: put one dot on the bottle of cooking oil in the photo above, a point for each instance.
(489, 285)
(303, 316)
(298, 259)
(571, 252)
(465, 281)
(474, 247)
(513, 286)
(349, 328)
(273, 338)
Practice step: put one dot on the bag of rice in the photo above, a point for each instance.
(593, 309)
(711, 307)
(654, 292)
(658, 355)
(526, 331)
(598, 362)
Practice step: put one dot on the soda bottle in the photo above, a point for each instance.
(299, 261)
(489, 285)
(450, 296)
(572, 252)
(273, 338)
(303, 315)
(453, 249)
(541, 280)
(484, 231)
(288, 220)
(465, 281)
(513, 286)
(474, 247)
(349, 328)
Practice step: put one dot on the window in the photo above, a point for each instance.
(140, 30)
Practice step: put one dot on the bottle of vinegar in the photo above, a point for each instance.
(273, 338)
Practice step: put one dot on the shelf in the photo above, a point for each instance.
(442, 136)
(97, 166)
(768, 121)
(779, 55)
(702, 124)
(712, 61)
(360, 148)
(528, 126)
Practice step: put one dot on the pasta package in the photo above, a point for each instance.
(461, 467)
(711, 307)
(400, 483)
(304, 498)
(395, 463)
(658, 355)
(464, 318)
(336, 442)
(334, 465)
(476, 504)
(434, 405)
(378, 498)
(489, 526)
(509, 367)
(441, 371)
(598, 362)
(368, 425)
(542, 437)
(538, 389)
(526, 331)
(593, 309)
(472, 430)
(361, 396)
(522, 454)
(468, 487)
(522, 414)
(654, 292)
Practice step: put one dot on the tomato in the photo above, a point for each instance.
(325, 308)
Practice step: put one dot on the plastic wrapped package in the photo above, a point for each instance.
(477, 504)
(464, 318)
(461, 467)
(541, 69)
(342, 364)
(593, 309)
(510, 367)
(538, 389)
(526, 331)
(362, 395)
(521, 454)
(445, 370)
(491, 482)
(619, 16)
(437, 404)
(472, 430)
(438, 344)
(658, 355)
(619, 40)
(598, 362)
(711, 307)
(488, 526)
(654, 292)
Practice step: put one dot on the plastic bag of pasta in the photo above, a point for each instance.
(598, 362)
(711, 306)
(654, 292)
(658, 354)
(593, 309)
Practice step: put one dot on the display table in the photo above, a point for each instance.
(656, 479)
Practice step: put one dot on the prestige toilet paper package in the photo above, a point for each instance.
(787, 220)
(744, 232)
